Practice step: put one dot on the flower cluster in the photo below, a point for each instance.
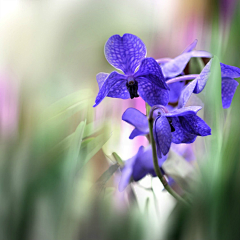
(165, 85)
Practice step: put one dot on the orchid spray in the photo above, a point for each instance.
(159, 82)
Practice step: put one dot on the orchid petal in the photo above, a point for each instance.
(150, 69)
(180, 135)
(191, 46)
(195, 125)
(229, 71)
(183, 111)
(101, 77)
(152, 94)
(229, 87)
(136, 118)
(135, 132)
(175, 91)
(201, 54)
(119, 90)
(108, 85)
(125, 53)
(202, 78)
(162, 135)
(176, 66)
(186, 93)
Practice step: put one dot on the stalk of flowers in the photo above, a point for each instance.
(149, 78)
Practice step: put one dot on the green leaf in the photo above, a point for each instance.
(118, 159)
(68, 101)
(67, 106)
(75, 145)
(92, 148)
(86, 142)
(101, 182)
(92, 128)
(107, 175)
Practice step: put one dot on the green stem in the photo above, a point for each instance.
(156, 166)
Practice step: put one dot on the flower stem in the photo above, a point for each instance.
(182, 78)
(156, 166)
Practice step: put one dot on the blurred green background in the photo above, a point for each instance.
(55, 149)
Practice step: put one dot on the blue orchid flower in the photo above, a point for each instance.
(127, 53)
(174, 67)
(229, 84)
(139, 166)
(178, 126)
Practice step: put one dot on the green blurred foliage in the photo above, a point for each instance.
(215, 204)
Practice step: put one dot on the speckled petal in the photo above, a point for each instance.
(180, 135)
(113, 79)
(150, 69)
(202, 78)
(152, 94)
(135, 132)
(119, 90)
(101, 77)
(136, 118)
(183, 111)
(162, 135)
(195, 125)
(176, 66)
(229, 87)
(191, 46)
(229, 71)
(186, 93)
(125, 53)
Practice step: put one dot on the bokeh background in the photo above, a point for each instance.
(55, 149)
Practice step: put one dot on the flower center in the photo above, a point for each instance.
(132, 87)
(170, 123)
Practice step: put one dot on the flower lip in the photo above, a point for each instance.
(130, 80)
(132, 87)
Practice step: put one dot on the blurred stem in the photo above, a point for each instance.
(156, 166)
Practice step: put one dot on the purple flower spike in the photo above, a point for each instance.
(127, 53)
(138, 167)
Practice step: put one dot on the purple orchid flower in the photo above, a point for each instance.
(229, 85)
(139, 166)
(126, 53)
(174, 67)
(178, 126)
